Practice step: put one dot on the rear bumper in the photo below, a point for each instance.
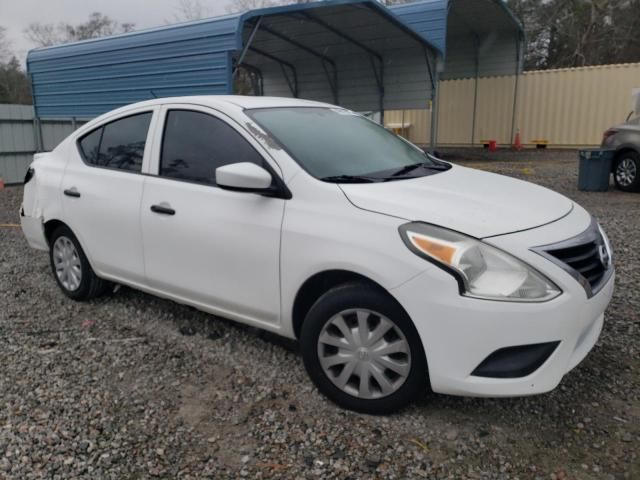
(33, 229)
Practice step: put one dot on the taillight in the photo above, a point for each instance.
(30, 173)
(608, 133)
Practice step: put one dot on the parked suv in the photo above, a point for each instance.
(394, 270)
(625, 140)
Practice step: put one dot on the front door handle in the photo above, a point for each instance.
(162, 210)
(72, 192)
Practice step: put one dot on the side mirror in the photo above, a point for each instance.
(244, 177)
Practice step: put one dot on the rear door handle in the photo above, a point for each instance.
(72, 192)
(162, 210)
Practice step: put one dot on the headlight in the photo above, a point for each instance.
(482, 271)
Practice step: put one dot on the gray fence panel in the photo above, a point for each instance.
(53, 132)
(14, 167)
(18, 139)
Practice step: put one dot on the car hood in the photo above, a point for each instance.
(477, 203)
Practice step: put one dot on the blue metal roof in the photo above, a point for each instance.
(87, 78)
(373, 4)
(428, 18)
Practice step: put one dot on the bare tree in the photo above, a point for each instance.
(244, 5)
(97, 25)
(14, 84)
(5, 45)
(187, 10)
(576, 33)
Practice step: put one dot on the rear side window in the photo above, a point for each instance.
(89, 145)
(195, 144)
(118, 145)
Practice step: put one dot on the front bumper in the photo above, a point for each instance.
(458, 333)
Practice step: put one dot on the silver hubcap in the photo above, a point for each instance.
(626, 172)
(67, 263)
(364, 354)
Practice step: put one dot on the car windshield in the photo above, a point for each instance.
(334, 144)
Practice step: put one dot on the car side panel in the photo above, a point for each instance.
(319, 235)
(42, 195)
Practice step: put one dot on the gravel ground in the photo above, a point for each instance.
(132, 386)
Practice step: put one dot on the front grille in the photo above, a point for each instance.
(586, 257)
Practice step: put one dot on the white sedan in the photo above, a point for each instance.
(396, 271)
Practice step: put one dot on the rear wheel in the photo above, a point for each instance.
(71, 268)
(362, 351)
(627, 172)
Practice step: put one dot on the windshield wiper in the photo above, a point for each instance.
(427, 165)
(349, 179)
(406, 169)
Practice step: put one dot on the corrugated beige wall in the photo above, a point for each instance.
(567, 107)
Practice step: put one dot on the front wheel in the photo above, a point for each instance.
(362, 351)
(627, 172)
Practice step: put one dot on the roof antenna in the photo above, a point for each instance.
(152, 93)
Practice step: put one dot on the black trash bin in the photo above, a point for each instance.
(594, 169)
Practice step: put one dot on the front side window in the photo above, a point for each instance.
(334, 144)
(195, 144)
(118, 145)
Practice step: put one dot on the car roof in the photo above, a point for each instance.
(234, 101)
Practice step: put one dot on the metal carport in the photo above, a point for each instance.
(478, 38)
(355, 53)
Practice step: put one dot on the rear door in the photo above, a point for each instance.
(102, 188)
(209, 246)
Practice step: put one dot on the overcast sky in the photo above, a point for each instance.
(16, 15)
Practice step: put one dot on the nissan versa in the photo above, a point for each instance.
(396, 271)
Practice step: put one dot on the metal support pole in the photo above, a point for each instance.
(433, 76)
(37, 132)
(256, 27)
(74, 123)
(515, 90)
(475, 95)
(434, 114)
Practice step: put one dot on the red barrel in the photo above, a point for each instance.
(493, 145)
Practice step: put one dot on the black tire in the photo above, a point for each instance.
(90, 286)
(363, 296)
(621, 161)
